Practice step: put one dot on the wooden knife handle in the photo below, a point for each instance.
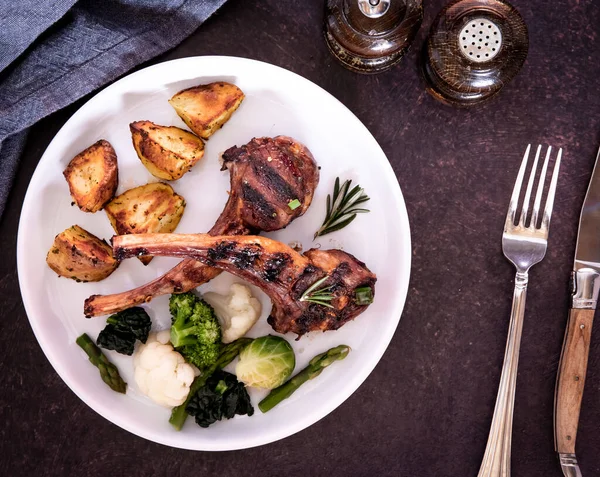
(571, 379)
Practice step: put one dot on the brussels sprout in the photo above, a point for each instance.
(266, 362)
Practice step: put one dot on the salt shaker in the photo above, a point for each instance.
(475, 47)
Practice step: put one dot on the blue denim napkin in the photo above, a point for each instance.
(53, 52)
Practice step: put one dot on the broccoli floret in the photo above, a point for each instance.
(181, 305)
(201, 356)
(193, 322)
(195, 330)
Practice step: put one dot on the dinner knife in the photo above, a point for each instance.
(576, 346)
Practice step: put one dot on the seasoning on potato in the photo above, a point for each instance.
(80, 255)
(167, 152)
(151, 208)
(92, 176)
(205, 108)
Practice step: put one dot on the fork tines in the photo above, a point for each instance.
(525, 212)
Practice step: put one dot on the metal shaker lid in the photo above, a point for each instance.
(475, 47)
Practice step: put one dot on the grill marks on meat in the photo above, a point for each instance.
(275, 266)
(265, 175)
(277, 269)
(271, 179)
(268, 174)
(259, 204)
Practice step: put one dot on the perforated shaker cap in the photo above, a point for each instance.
(480, 40)
(474, 48)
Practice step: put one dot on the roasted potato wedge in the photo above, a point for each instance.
(167, 152)
(207, 107)
(151, 208)
(92, 176)
(80, 255)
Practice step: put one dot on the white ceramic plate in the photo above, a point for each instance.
(277, 102)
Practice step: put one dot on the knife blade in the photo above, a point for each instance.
(572, 369)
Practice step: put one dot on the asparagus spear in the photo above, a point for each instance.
(314, 368)
(108, 371)
(228, 353)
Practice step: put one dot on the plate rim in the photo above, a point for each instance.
(301, 424)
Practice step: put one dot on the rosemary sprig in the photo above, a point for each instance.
(342, 208)
(320, 296)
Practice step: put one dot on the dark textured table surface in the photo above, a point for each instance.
(426, 408)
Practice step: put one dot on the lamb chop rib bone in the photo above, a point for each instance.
(265, 175)
(281, 272)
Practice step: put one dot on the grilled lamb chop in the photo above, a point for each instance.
(282, 273)
(265, 175)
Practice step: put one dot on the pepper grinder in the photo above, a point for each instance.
(370, 36)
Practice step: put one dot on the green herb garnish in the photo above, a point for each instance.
(320, 296)
(341, 209)
(363, 296)
(294, 204)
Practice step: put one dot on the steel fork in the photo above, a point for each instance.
(524, 244)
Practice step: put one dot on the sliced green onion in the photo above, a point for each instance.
(294, 204)
(221, 387)
(363, 296)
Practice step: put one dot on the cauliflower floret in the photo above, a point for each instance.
(161, 373)
(164, 336)
(237, 312)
